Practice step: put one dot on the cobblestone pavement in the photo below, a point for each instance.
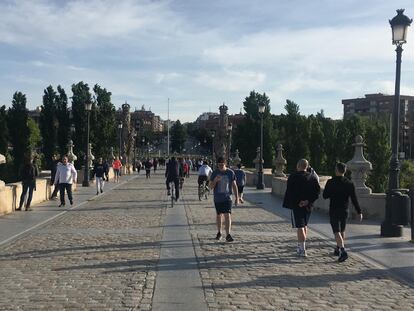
(260, 271)
(101, 256)
(104, 256)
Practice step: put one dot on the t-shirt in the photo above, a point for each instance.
(240, 177)
(223, 189)
(116, 165)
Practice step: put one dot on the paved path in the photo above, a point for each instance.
(127, 250)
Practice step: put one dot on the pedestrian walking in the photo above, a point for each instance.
(28, 174)
(148, 166)
(240, 181)
(55, 162)
(172, 174)
(139, 166)
(339, 189)
(116, 165)
(106, 169)
(155, 164)
(99, 172)
(65, 175)
(223, 181)
(302, 190)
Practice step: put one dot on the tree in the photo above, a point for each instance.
(105, 127)
(406, 174)
(316, 143)
(178, 136)
(34, 134)
(3, 131)
(49, 125)
(63, 118)
(247, 136)
(18, 130)
(81, 95)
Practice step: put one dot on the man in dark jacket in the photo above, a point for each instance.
(28, 174)
(302, 190)
(339, 189)
(172, 174)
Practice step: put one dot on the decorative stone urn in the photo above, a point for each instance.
(359, 166)
(279, 162)
(256, 161)
(111, 155)
(236, 159)
(71, 156)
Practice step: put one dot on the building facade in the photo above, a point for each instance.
(381, 104)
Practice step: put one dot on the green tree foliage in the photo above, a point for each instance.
(18, 130)
(105, 127)
(81, 95)
(178, 136)
(49, 124)
(3, 131)
(35, 137)
(316, 143)
(406, 174)
(247, 136)
(63, 118)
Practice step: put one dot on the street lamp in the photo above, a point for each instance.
(213, 133)
(120, 139)
(399, 25)
(229, 131)
(85, 183)
(260, 183)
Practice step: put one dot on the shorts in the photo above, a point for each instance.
(116, 172)
(240, 189)
(338, 221)
(223, 207)
(202, 179)
(301, 217)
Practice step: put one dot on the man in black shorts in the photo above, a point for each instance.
(302, 190)
(339, 189)
(223, 181)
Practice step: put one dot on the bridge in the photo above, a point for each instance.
(128, 249)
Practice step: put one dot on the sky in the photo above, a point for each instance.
(201, 53)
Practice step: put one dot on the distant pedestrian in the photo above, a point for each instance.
(65, 175)
(106, 169)
(116, 165)
(339, 189)
(155, 164)
(240, 181)
(139, 166)
(302, 190)
(223, 181)
(148, 166)
(99, 172)
(28, 174)
(55, 162)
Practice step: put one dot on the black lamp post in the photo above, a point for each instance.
(120, 140)
(229, 132)
(260, 183)
(213, 134)
(399, 25)
(85, 183)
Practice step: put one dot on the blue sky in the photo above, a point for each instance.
(201, 53)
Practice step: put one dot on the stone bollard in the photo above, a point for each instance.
(279, 162)
(359, 166)
(71, 156)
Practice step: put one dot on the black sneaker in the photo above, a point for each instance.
(62, 205)
(97, 192)
(71, 202)
(229, 238)
(336, 251)
(218, 236)
(343, 256)
(168, 192)
(101, 190)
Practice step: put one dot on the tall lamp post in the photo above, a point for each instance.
(120, 140)
(229, 131)
(260, 183)
(213, 134)
(85, 183)
(399, 25)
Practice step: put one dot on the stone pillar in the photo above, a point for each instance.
(236, 159)
(71, 156)
(359, 166)
(279, 162)
(2, 161)
(256, 161)
(91, 156)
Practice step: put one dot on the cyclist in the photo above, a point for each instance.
(172, 174)
(203, 173)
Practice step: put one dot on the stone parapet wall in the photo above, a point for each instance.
(10, 193)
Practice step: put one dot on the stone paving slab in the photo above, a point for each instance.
(262, 272)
